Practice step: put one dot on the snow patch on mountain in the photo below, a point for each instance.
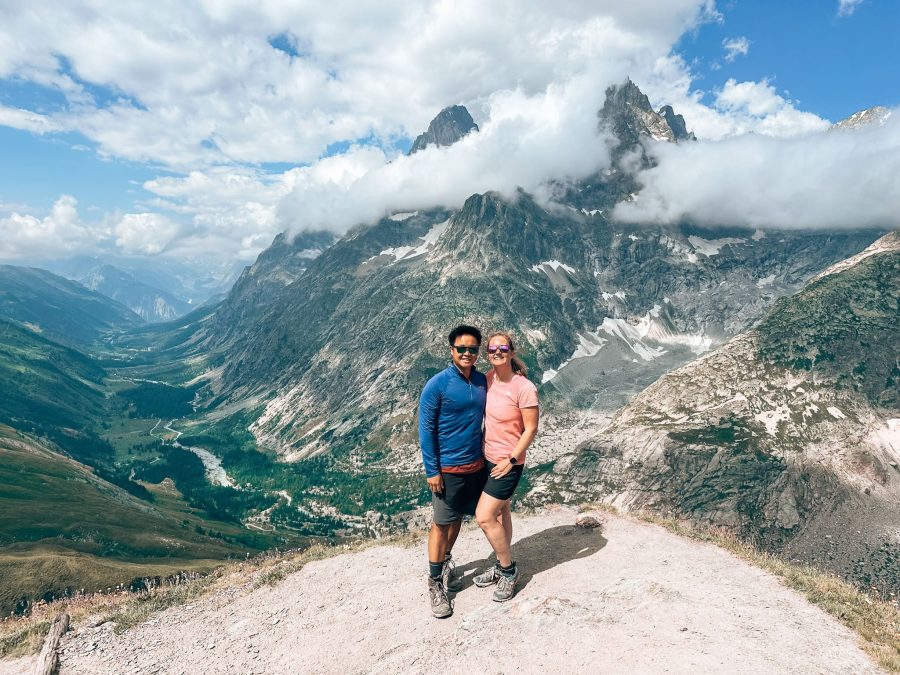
(647, 337)
(554, 265)
(400, 217)
(589, 343)
(711, 247)
(771, 418)
(399, 253)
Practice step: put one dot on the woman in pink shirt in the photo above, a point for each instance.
(510, 425)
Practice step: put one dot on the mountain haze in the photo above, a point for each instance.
(151, 304)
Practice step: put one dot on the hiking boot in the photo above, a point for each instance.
(440, 603)
(488, 577)
(506, 586)
(450, 577)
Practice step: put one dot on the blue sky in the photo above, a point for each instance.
(122, 134)
(832, 65)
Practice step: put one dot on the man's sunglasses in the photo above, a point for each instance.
(460, 349)
(503, 349)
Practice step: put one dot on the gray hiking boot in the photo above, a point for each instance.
(440, 603)
(490, 576)
(450, 577)
(506, 586)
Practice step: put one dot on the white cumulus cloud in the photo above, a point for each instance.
(734, 47)
(837, 179)
(525, 141)
(195, 84)
(847, 7)
(60, 232)
(144, 233)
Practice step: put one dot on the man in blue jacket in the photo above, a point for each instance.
(451, 412)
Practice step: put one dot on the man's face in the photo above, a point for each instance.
(466, 359)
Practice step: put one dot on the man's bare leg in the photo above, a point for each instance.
(453, 534)
(440, 540)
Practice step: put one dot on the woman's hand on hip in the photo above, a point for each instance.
(501, 469)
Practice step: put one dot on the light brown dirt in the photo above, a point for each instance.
(635, 598)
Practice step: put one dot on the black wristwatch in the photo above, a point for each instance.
(513, 460)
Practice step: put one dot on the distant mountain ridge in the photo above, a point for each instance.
(151, 304)
(64, 310)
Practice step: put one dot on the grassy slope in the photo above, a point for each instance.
(45, 382)
(82, 532)
(64, 310)
(844, 326)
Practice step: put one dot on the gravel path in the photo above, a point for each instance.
(635, 598)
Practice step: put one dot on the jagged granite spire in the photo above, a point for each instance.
(450, 125)
(628, 114)
(676, 124)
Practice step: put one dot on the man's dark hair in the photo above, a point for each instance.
(464, 330)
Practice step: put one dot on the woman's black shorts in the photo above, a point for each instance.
(503, 488)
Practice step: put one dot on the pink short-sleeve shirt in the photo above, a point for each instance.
(503, 424)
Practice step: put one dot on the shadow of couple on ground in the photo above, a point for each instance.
(540, 552)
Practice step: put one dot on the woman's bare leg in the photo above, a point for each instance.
(506, 516)
(489, 514)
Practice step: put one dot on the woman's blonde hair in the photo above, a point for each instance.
(518, 365)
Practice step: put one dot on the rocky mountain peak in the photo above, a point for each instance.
(627, 113)
(877, 115)
(450, 125)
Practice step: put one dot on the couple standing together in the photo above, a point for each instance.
(474, 430)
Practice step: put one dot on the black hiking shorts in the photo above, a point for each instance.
(503, 488)
(459, 498)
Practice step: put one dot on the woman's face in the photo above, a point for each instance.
(496, 354)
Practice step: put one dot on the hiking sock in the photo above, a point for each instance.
(435, 569)
(508, 571)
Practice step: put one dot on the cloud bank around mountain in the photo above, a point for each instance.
(217, 93)
(188, 85)
(271, 116)
(842, 178)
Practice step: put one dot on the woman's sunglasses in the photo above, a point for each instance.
(503, 349)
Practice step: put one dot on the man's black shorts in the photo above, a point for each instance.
(503, 488)
(460, 496)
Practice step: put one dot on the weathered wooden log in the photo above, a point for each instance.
(48, 661)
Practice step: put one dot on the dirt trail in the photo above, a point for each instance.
(635, 598)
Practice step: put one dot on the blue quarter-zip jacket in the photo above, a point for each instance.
(451, 412)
